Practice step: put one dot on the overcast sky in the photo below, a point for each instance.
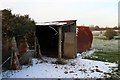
(87, 12)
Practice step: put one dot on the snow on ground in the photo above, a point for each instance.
(86, 53)
(74, 68)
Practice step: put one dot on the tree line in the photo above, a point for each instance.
(18, 27)
(15, 24)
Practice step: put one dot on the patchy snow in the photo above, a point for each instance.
(74, 68)
(86, 53)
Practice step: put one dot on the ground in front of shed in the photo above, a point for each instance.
(74, 68)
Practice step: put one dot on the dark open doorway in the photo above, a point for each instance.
(48, 39)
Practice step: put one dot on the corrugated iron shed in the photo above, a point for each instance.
(57, 37)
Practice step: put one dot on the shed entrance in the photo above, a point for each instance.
(48, 40)
(57, 39)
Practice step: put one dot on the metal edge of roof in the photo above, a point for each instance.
(59, 23)
(52, 23)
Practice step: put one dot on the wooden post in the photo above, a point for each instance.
(39, 51)
(39, 55)
(60, 45)
(11, 60)
(35, 44)
(14, 57)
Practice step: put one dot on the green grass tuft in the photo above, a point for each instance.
(104, 56)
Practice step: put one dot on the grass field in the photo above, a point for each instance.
(107, 51)
(105, 56)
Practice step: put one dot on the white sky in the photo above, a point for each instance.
(97, 12)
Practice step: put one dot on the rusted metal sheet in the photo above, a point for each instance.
(84, 38)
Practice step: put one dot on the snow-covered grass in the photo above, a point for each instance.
(74, 68)
(98, 33)
(105, 45)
